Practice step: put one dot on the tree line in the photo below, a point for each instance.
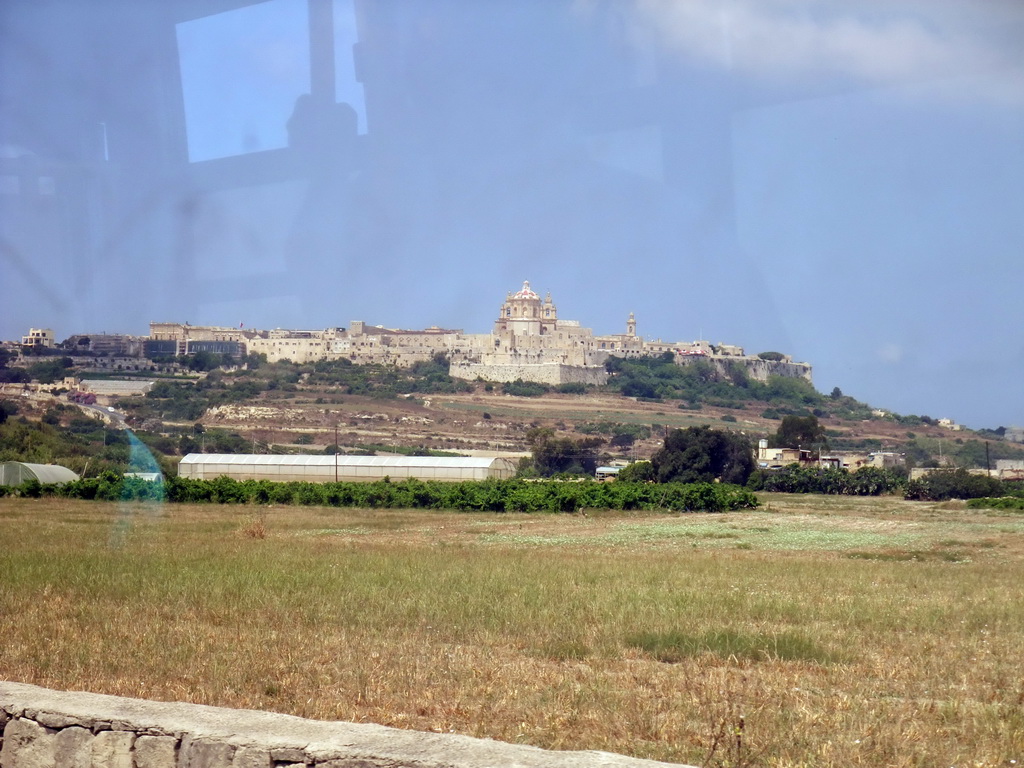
(469, 496)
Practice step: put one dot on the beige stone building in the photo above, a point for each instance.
(297, 346)
(529, 342)
(39, 337)
(105, 344)
(626, 344)
(363, 343)
(187, 332)
(777, 458)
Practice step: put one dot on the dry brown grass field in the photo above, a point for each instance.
(813, 632)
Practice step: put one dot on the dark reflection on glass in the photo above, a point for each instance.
(773, 175)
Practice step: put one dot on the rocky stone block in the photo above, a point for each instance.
(26, 745)
(252, 757)
(112, 749)
(155, 752)
(57, 720)
(200, 753)
(72, 748)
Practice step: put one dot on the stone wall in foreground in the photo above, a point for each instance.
(43, 728)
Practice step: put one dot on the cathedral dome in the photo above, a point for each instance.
(526, 292)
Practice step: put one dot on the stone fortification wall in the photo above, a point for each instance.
(53, 729)
(756, 368)
(543, 373)
(761, 369)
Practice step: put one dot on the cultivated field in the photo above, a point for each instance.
(814, 632)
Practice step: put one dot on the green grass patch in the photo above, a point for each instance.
(674, 646)
(913, 555)
(1008, 503)
(563, 650)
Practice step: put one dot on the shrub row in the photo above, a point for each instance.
(109, 486)
(866, 481)
(488, 495)
(959, 484)
(871, 481)
(1014, 503)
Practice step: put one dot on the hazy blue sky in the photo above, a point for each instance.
(841, 181)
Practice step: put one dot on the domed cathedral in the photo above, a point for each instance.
(524, 314)
(529, 342)
(529, 331)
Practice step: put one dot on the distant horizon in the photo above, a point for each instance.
(746, 351)
(246, 326)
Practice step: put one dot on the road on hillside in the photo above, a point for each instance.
(105, 411)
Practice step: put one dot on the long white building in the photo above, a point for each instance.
(320, 468)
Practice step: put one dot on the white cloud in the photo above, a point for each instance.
(880, 43)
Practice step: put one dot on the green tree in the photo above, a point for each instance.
(14, 376)
(7, 408)
(49, 371)
(640, 386)
(623, 440)
(187, 444)
(555, 455)
(800, 432)
(703, 454)
(520, 388)
(637, 472)
(255, 360)
(954, 484)
(203, 361)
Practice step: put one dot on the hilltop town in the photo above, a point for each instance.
(369, 388)
(528, 342)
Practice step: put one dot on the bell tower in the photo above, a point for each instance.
(631, 325)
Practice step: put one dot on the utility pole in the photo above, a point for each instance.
(335, 452)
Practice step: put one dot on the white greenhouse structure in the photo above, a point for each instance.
(327, 469)
(17, 472)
